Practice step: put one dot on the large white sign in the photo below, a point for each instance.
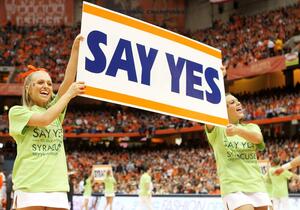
(131, 62)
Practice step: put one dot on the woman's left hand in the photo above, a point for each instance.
(224, 71)
(76, 42)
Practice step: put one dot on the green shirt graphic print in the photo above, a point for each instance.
(237, 164)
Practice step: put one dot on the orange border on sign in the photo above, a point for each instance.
(153, 105)
(143, 26)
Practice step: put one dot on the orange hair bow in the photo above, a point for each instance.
(31, 69)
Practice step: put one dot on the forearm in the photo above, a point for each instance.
(253, 137)
(296, 162)
(51, 114)
(71, 70)
(293, 164)
(70, 73)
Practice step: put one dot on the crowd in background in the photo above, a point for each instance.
(243, 40)
(192, 170)
(117, 119)
(175, 170)
(42, 46)
(110, 118)
(246, 39)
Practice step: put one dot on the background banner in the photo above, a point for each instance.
(36, 12)
(268, 65)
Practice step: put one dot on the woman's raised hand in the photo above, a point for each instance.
(75, 89)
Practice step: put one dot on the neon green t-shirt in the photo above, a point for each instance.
(109, 182)
(236, 160)
(40, 165)
(280, 183)
(268, 184)
(88, 187)
(144, 181)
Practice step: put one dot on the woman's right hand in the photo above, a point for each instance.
(224, 71)
(75, 89)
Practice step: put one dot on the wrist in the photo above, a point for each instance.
(68, 96)
(238, 131)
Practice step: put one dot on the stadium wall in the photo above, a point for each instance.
(254, 84)
(168, 202)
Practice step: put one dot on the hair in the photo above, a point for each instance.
(26, 99)
(146, 167)
(227, 93)
(85, 177)
(276, 161)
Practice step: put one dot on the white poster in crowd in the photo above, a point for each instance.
(264, 166)
(134, 63)
(100, 171)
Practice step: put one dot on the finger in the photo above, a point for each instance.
(82, 87)
(81, 91)
(79, 37)
(229, 126)
(80, 83)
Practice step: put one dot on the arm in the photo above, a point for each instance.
(93, 181)
(251, 136)
(292, 164)
(115, 186)
(71, 70)
(295, 177)
(44, 119)
(295, 162)
(147, 186)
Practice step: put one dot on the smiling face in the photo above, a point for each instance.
(234, 109)
(40, 88)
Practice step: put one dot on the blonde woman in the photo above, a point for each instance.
(40, 178)
(88, 190)
(110, 189)
(235, 146)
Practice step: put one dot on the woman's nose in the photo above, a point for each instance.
(45, 84)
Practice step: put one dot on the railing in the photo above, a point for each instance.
(169, 131)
